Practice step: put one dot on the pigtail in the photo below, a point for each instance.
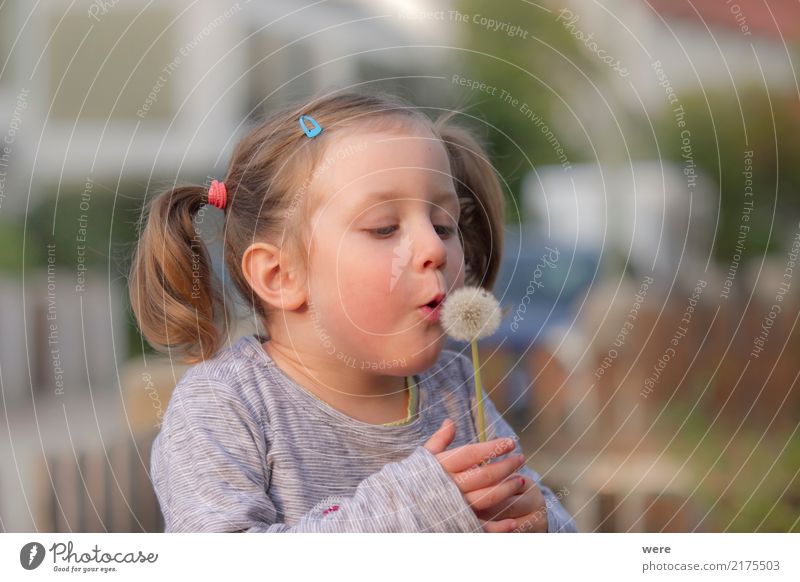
(174, 294)
(482, 204)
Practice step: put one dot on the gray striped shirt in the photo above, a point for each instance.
(243, 447)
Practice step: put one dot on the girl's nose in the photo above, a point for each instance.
(429, 249)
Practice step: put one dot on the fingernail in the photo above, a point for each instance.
(521, 481)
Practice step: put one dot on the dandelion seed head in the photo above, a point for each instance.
(470, 313)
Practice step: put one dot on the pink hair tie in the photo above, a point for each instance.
(217, 194)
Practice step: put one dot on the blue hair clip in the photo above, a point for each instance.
(312, 131)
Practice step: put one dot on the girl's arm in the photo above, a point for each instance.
(208, 475)
(558, 519)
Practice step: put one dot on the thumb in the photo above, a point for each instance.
(440, 440)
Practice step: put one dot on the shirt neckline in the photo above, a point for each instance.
(254, 341)
(413, 390)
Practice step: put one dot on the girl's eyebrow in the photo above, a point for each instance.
(390, 195)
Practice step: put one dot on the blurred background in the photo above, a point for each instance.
(649, 153)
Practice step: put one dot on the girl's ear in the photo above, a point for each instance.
(274, 276)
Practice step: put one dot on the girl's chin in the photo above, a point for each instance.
(413, 357)
(428, 353)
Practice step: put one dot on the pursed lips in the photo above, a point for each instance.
(432, 309)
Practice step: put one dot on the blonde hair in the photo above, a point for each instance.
(178, 303)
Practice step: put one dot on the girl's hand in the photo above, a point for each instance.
(528, 508)
(483, 485)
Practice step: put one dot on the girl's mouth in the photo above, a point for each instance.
(432, 310)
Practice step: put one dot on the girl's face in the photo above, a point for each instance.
(384, 243)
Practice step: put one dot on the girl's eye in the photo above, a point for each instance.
(384, 231)
(387, 231)
(446, 230)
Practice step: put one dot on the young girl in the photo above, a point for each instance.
(348, 219)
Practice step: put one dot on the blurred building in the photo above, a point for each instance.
(698, 44)
(118, 89)
(642, 213)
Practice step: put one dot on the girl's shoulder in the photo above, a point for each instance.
(234, 373)
(230, 361)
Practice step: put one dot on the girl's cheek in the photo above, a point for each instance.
(459, 279)
(457, 268)
(374, 263)
(364, 276)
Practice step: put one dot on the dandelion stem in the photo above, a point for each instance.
(478, 392)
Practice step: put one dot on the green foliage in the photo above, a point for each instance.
(93, 220)
(722, 129)
(535, 70)
(102, 225)
(13, 259)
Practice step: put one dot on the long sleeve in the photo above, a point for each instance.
(558, 519)
(208, 474)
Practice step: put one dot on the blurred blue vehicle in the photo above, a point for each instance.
(537, 286)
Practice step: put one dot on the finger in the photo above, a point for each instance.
(504, 526)
(489, 497)
(442, 438)
(464, 457)
(528, 499)
(487, 475)
(505, 509)
(534, 522)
